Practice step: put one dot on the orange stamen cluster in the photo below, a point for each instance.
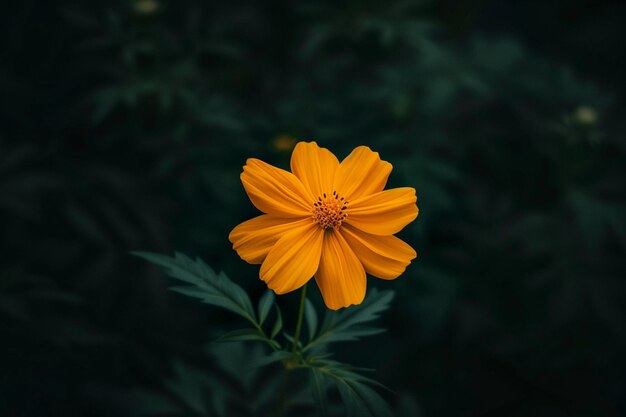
(330, 211)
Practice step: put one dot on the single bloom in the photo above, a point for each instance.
(325, 219)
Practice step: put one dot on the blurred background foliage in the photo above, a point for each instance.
(124, 126)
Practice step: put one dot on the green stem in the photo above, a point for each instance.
(296, 337)
(263, 335)
(280, 406)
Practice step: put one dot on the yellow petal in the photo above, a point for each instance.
(361, 173)
(384, 257)
(275, 191)
(315, 167)
(294, 259)
(383, 213)
(340, 277)
(254, 238)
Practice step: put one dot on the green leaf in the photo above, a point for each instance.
(278, 325)
(355, 389)
(318, 388)
(271, 358)
(189, 385)
(361, 400)
(342, 370)
(311, 318)
(346, 325)
(205, 284)
(241, 335)
(265, 304)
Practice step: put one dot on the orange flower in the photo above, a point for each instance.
(325, 219)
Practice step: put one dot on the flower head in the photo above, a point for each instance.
(327, 220)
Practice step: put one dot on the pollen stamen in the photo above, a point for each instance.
(329, 211)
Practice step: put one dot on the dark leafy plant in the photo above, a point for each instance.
(324, 374)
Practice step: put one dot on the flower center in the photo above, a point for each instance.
(330, 211)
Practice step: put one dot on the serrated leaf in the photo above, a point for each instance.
(241, 335)
(344, 371)
(278, 325)
(354, 333)
(355, 389)
(346, 325)
(318, 388)
(205, 284)
(265, 305)
(361, 400)
(311, 318)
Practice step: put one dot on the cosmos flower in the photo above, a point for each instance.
(327, 220)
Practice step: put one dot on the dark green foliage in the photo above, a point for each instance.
(236, 387)
(347, 324)
(356, 394)
(124, 127)
(265, 305)
(311, 318)
(204, 283)
(218, 290)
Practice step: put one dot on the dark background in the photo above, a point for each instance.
(124, 126)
